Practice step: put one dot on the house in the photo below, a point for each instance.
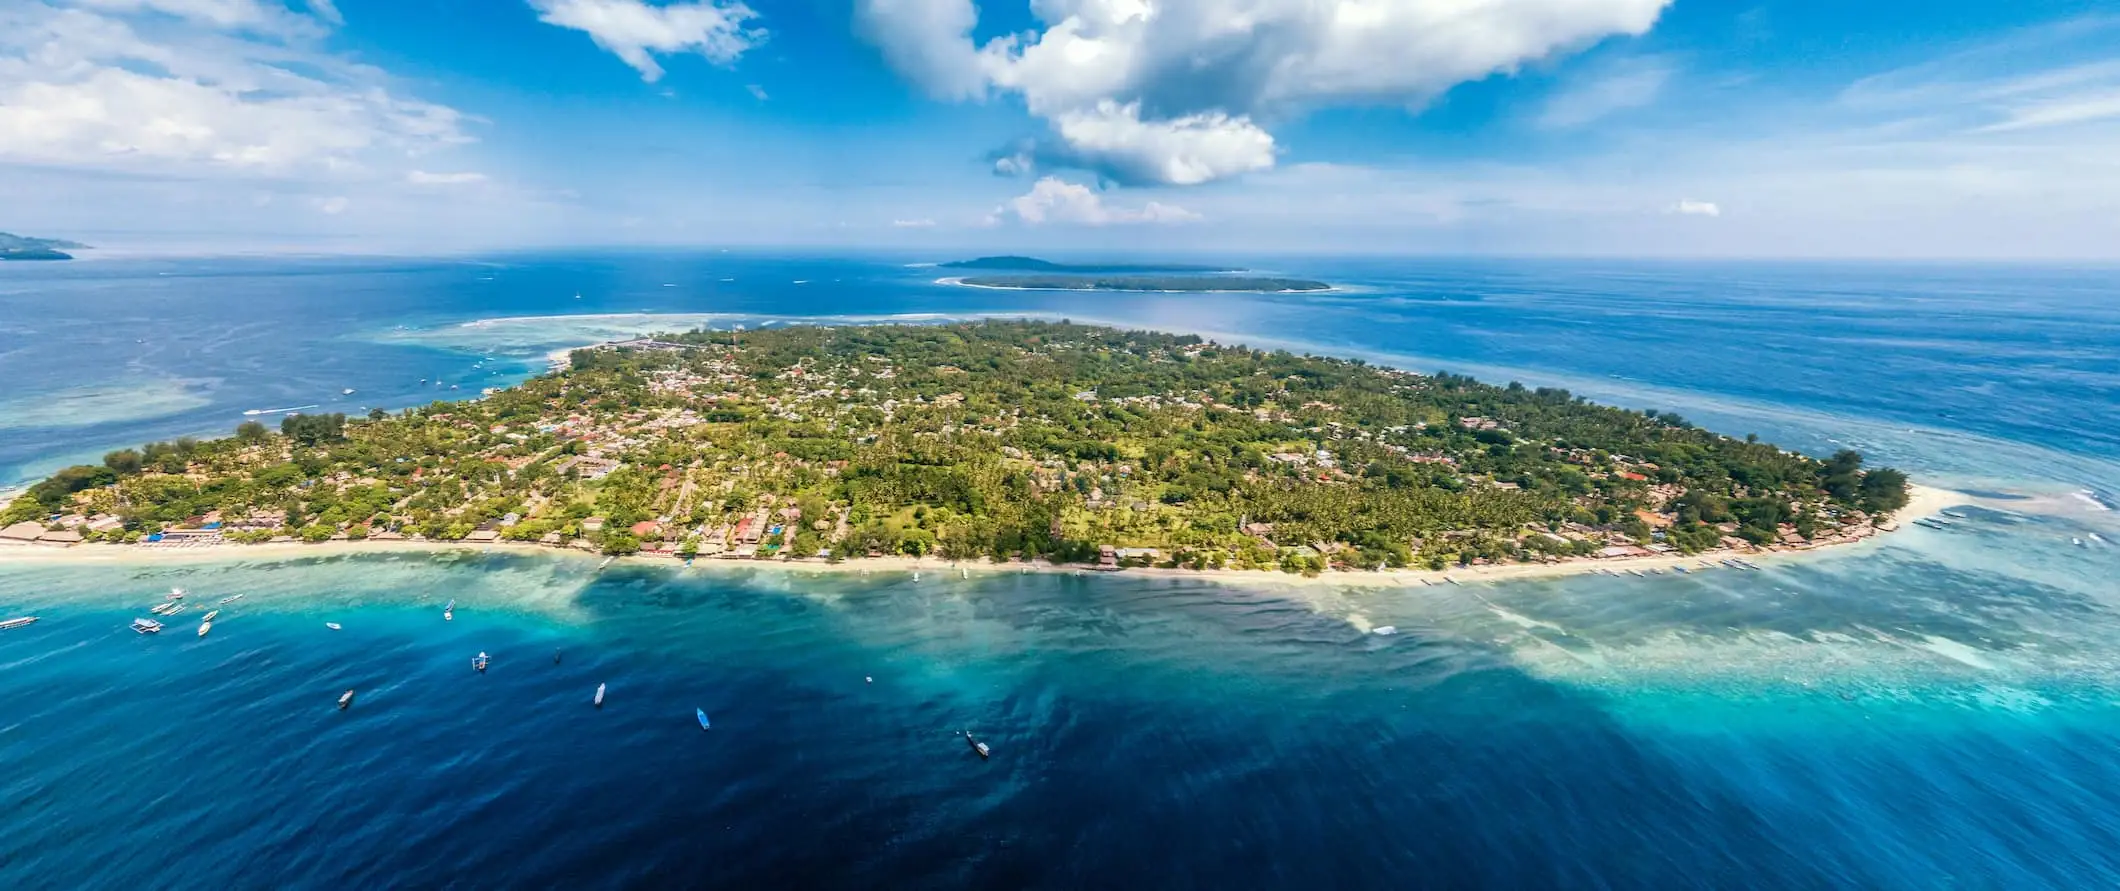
(64, 538)
(1623, 551)
(1107, 559)
(387, 535)
(483, 536)
(549, 539)
(593, 524)
(644, 529)
(22, 533)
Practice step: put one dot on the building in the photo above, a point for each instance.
(23, 533)
(1107, 559)
(64, 538)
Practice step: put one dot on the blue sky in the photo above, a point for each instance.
(1890, 128)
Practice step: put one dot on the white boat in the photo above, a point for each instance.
(607, 562)
(162, 609)
(1385, 629)
(449, 612)
(17, 623)
(346, 392)
(229, 599)
(175, 594)
(332, 625)
(210, 614)
(599, 696)
(345, 699)
(147, 626)
(205, 627)
(173, 609)
(480, 663)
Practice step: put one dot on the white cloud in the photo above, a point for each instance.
(757, 92)
(1183, 151)
(636, 31)
(333, 205)
(1191, 65)
(1696, 208)
(227, 14)
(922, 223)
(79, 88)
(1052, 200)
(326, 10)
(423, 178)
(1634, 84)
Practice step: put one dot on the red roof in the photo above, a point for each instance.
(644, 527)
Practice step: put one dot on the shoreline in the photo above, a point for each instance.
(1923, 501)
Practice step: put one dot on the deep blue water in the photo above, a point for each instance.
(1934, 711)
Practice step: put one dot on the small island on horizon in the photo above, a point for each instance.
(1033, 264)
(1034, 443)
(23, 247)
(1169, 283)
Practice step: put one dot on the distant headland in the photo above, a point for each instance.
(1033, 264)
(23, 247)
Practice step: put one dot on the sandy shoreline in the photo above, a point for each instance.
(1924, 501)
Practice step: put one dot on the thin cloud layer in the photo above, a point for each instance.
(1171, 93)
(636, 32)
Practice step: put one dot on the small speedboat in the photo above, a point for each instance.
(332, 625)
(449, 612)
(175, 594)
(704, 724)
(345, 699)
(210, 614)
(147, 626)
(480, 663)
(977, 746)
(205, 627)
(1386, 630)
(17, 623)
(599, 696)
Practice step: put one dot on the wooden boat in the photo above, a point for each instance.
(977, 746)
(17, 623)
(599, 696)
(229, 599)
(163, 609)
(147, 626)
(345, 699)
(174, 609)
(704, 724)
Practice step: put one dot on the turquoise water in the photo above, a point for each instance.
(1933, 710)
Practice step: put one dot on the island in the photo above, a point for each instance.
(1033, 264)
(1019, 442)
(22, 247)
(1178, 283)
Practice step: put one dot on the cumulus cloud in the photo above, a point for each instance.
(1053, 200)
(1696, 209)
(636, 32)
(1170, 92)
(81, 87)
(423, 178)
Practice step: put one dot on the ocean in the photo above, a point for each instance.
(1933, 710)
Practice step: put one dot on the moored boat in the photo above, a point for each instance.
(332, 625)
(17, 623)
(205, 627)
(599, 696)
(175, 594)
(977, 746)
(345, 699)
(210, 614)
(230, 599)
(147, 626)
(480, 663)
(1386, 630)
(704, 724)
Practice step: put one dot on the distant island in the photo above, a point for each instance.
(23, 247)
(1046, 443)
(1248, 283)
(1033, 264)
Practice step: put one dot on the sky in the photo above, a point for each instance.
(1939, 129)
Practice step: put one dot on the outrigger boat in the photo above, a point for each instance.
(345, 699)
(210, 614)
(17, 623)
(205, 626)
(449, 612)
(977, 746)
(147, 626)
(175, 594)
(230, 599)
(480, 663)
(599, 696)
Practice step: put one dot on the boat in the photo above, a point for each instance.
(162, 609)
(17, 623)
(345, 699)
(963, 573)
(449, 612)
(205, 627)
(704, 724)
(346, 392)
(210, 614)
(175, 594)
(480, 663)
(1385, 630)
(173, 610)
(599, 696)
(977, 746)
(332, 625)
(147, 626)
(2077, 542)
(607, 562)
(229, 599)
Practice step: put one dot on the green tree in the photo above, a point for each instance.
(125, 462)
